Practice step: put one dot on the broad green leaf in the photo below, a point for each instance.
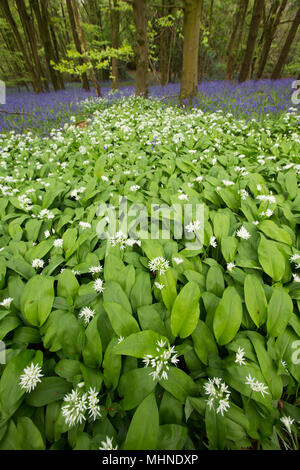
(280, 309)
(143, 430)
(228, 316)
(255, 299)
(185, 311)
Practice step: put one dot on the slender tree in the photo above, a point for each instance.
(115, 33)
(84, 78)
(84, 47)
(251, 41)
(283, 57)
(235, 37)
(191, 31)
(273, 20)
(141, 47)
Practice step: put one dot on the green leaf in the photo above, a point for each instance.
(204, 342)
(228, 316)
(255, 299)
(50, 389)
(122, 322)
(271, 230)
(280, 310)
(37, 299)
(141, 291)
(112, 364)
(185, 311)
(29, 435)
(92, 350)
(139, 344)
(135, 385)
(271, 259)
(143, 430)
(179, 384)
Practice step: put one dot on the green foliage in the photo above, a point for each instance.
(201, 354)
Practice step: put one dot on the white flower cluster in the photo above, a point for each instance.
(31, 377)
(218, 395)
(161, 361)
(77, 404)
(193, 226)
(108, 444)
(6, 302)
(159, 264)
(256, 386)
(87, 314)
(121, 240)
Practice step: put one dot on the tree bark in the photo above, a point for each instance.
(252, 37)
(164, 41)
(19, 41)
(283, 57)
(84, 48)
(191, 31)
(84, 78)
(46, 41)
(238, 24)
(276, 12)
(29, 31)
(115, 22)
(141, 47)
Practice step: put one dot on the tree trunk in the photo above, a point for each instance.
(29, 31)
(115, 22)
(84, 78)
(252, 37)
(269, 33)
(141, 47)
(28, 64)
(84, 48)
(46, 41)
(233, 44)
(191, 31)
(286, 47)
(164, 40)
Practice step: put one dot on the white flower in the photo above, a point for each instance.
(95, 269)
(87, 314)
(84, 225)
(287, 421)
(294, 257)
(218, 395)
(93, 407)
(239, 357)
(108, 444)
(134, 188)
(159, 264)
(243, 233)
(243, 193)
(159, 286)
(256, 386)
(31, 377)
(193, 226)
(82, 150)
(74, 409)
(178, 260)
(183, 197)
(265, 197)
(58, 243)
(213, 242)
(45, 214)
(119, 239)
(98, 285)
(120, 339)
(160, 362)
(230, 266)
(47, 234)
(37, 263)
(296, 278)
(6, 302)
(227, 182)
